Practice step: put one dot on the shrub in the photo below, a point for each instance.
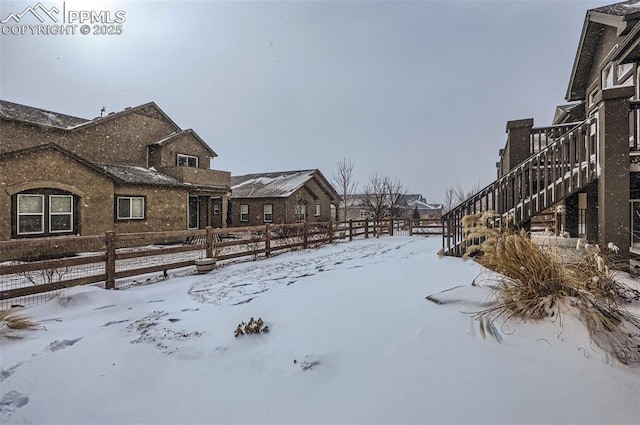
(253, 327)
(10, 323)
(536, 283)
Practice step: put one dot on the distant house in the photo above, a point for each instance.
(131, 171)
(405, 205)
(282, 197)
(410, 204)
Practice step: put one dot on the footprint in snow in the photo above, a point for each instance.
(114, 322)
(5, 373)
(12, 400)
(59, 345)
(308, 362)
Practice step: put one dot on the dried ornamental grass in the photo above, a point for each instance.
(536, 283)
(11, 323)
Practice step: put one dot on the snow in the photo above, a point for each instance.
(352, 340)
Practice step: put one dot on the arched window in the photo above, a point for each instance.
(44, 212)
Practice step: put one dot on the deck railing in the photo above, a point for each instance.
(563, 166)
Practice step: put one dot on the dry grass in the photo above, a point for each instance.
(537, 282)
(12, 323)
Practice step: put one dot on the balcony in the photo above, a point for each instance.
(199, 176)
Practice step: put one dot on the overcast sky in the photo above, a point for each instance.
(416, 90)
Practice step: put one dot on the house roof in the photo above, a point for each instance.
(280, 184)
(567, 113)
(118, 173)
(139, 175)
(39, 116)
(175, 136)
(623, 17)
(42, 117)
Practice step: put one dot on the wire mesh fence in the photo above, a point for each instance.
(34, 271)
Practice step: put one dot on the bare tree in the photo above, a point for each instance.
(345, 183)
(381, 196)
(449, 199)
(455, 195)
(394, 190)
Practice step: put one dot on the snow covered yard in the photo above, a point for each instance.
(352, 340)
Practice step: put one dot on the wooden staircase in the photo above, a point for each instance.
(564, 161)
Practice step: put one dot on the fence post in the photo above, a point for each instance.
(410, 227)
(209, 241)
(366, 229)
(331, 232)
(350, 229)
(267, 239)
(305, 235)
(391, 226)
(110, 263)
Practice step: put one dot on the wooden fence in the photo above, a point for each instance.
(46, 265)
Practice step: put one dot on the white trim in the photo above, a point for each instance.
(246, 213)
(18, 214)
(187, 157)
(70, 213)
(131, 199)
(265, 213)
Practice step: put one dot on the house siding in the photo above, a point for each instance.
(52, 169)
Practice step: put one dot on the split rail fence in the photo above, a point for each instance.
(34, 270)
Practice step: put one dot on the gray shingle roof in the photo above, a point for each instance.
(139, 175)
(624, 8)
(38, 116)
(269, 185)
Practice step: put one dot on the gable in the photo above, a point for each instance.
(604, 31)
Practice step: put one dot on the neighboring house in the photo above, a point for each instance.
(282, 197)
(357, 208)
(586, 165)
(131, 171)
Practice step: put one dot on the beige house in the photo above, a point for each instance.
(282, 197)
(131, 171)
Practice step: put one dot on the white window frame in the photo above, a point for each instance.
(186, 158)
(316, 210)
(131, 199)
(608, 76)
(216, 209)
(244, 213)
(267, 217)
(18, 214)
(69, 214)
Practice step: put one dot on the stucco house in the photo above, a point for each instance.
(282, 197)
(130, 171)
(586, 164)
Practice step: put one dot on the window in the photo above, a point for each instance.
(268, 213)
(30, 214)
(60, 213)
(244, 212)
(216, 209)
(187, 160)
(363, 213)
(316, 210)
(624, 70)
(130, 208)
(43, 212)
